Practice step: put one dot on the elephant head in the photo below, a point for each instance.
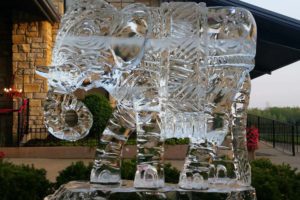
(95, 47)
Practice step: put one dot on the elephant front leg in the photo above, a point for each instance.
(150, 149)
(107, 163)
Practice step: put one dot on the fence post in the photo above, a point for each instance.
(258, 123)
(293, 140)
(19, 129)
(27, 117)
(297, 137)
(273, 133)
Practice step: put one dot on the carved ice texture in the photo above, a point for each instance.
(217, 156)
(96, 46)
(179, 70)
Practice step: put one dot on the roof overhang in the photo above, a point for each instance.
(278, 41)
(278, 37)
(41, 9)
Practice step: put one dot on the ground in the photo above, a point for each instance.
(53, 166)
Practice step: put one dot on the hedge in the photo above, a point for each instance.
(272, 182)
(20, 182)
(100, 107)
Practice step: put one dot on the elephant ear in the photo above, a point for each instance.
(81, 42)
(87, 18)
(100, 42)
(83, 20)
(130, 37)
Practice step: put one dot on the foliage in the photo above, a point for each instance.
(284, 114)
(23, 182)
(90, 142)
(76, 171)
(176, 141)
(171, 141)
(2, 155)
(79, 171)
(131, 141)
(171, 173)
(275, 182)
(272, 182)
(101, 110)
(128, 169)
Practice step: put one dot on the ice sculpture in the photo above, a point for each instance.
(178, 70)
(217, 154)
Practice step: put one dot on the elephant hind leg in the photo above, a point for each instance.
(150, 149)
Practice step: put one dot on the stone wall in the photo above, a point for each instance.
(33, 41)
(32, 46)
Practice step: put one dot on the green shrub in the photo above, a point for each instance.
(170, 141)
(79, 171)
(275, 182)
(23, 182)
(272, 182)
(171, 173)
(101, 110)
(176, 141)
(76, 171)
(128, 168)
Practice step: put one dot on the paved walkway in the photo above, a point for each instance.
(266, 150)
(53, 166)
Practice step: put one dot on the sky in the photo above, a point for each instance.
(282, 87)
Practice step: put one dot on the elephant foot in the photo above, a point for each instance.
(189, 180)
(147, 176)
(105, 177)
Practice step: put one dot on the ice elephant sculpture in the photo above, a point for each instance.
(178, 70)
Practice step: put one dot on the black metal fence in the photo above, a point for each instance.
(283, 136)
(23, 120)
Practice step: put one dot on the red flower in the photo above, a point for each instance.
(2, 154)
(252, 138)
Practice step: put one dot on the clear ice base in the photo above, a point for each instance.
(197, 183)
(75, 190)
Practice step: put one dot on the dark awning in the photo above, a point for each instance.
(41, 9)
(278, 37)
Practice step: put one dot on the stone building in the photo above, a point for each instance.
(27, 34)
